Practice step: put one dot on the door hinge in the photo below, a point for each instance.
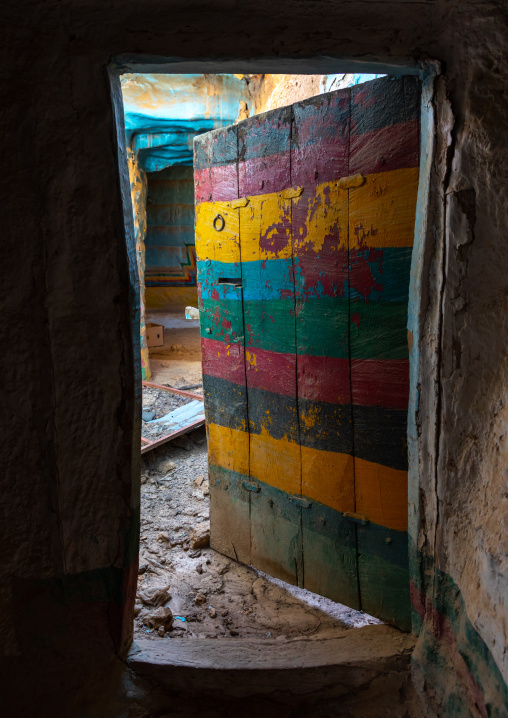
(242, 202)
(351, 182)
(250, 486)
(299, 501)
(291, 192)
(356, 517)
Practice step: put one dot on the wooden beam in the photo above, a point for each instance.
(153, 444)
(171, 390)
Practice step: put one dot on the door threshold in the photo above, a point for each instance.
(250, 667)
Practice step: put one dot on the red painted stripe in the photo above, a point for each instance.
(216, 184)
(380, 382)
(375, 382)
(202, 185)
(271, 371)
(381, 150)
(388, 148)
(320, 146)
(324, 379)
(223, 360)
(262, 175)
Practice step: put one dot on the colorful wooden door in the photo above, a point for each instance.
(304, 231)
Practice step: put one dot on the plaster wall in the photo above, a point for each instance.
(70, 359)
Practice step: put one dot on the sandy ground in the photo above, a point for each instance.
(178, 362)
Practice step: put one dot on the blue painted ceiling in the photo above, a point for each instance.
(163, 113)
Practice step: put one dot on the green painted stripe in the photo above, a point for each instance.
(330, 554)
(229, 514)
(388, 546)
(384, 588)
(320, 327)
(362, 566)
(440, 647)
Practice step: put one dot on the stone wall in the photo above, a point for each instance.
(70, 492)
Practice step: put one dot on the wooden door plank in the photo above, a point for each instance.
(268, 297)
(385, 125)
(320, 139)
(384, 148)
(384, 574)
(320, 248)
(276, 533)
(222, 339)
(229, 510)
(330, 554)
(216, 165)
(264, 153)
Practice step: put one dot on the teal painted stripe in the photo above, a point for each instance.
(384, 276)
(170, 236)
(267, 280)
(320, 327)
(381, 274)
(160, 215)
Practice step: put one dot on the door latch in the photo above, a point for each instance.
(356, 517)
(299, 501)
(233, 281)
(250, 486)
(219, 223)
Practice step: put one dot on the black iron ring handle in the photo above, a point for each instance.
(219, 219)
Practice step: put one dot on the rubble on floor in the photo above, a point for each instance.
(176, 409)
(205, 594)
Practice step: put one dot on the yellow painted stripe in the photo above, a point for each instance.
(381, 494)
(228, 448)
(381, 214)
(224, 245)
(265, 227)
(276, 462)
(326, 215)
(382, 211)
(327, 477)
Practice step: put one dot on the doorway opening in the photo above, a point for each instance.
(186, 588)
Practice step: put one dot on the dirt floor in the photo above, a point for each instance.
(197, 592)
(178, 362)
